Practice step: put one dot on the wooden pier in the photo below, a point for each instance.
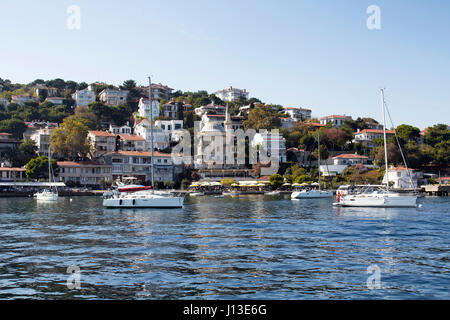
(437, 190)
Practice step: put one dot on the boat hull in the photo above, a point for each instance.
(46, 197)
(313, 194)
(160, 202)
(378, 202)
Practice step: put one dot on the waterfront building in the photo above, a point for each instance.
(101, 142)
(86, 173)
(231, 94)
(138, 164)
(335, 120)
(83, 97)
(12, 174)
(113, 97)
(399, 178)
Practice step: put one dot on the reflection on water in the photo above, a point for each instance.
(247, 247)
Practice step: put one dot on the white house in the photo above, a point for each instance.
(143, 129)
(125, 129)
(145, 110)
(113, 97)
(335, 120)
(231, 94)
(172, 128)
(21, 99)
(270, 141)
(57, 101)
(400, 178)
(368, 135)
(343, 161)
(210, 108)
(298, 114)
(101, 142)
(83, 97)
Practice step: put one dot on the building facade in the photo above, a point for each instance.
(231, 94)
(145, 110)
(101, 142)
(113, 97)
(335, 120)
(138, 164)
(83, 97)
(86, 173)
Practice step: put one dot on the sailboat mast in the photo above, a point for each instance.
(151, 127)
(384, 137)
(49, 163)
(318, 153)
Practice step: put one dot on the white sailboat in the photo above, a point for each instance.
(313, 193)
(378, 198)
(48, 194)
(138, 198)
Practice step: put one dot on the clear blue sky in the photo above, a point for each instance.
(316, 54)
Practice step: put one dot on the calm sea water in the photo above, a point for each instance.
(250, 247)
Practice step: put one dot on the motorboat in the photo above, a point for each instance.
(196, 194)
(311, 194)
(272, 193)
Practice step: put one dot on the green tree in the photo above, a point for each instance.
(276, 180)
(14, 126)
(70, 139)
(405, 133)
(37, 168)
(262, 118)
(437, 134)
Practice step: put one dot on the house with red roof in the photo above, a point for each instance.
(85, 173)
(335, 120)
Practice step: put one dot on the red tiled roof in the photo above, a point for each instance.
(101, 133)
(140, 153)
(12, 169)
(350, 156)
(131, 137)
(79, 164)
(335, 117)
(399, 169)
(375, 131)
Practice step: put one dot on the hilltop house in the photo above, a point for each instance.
(101, 142)
(145, 110)
(399, 177)
(231, 94)
(335, 120)
(113, 97)
(83, 97)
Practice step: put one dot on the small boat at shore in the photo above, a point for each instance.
(196, 194)
(272, 193)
